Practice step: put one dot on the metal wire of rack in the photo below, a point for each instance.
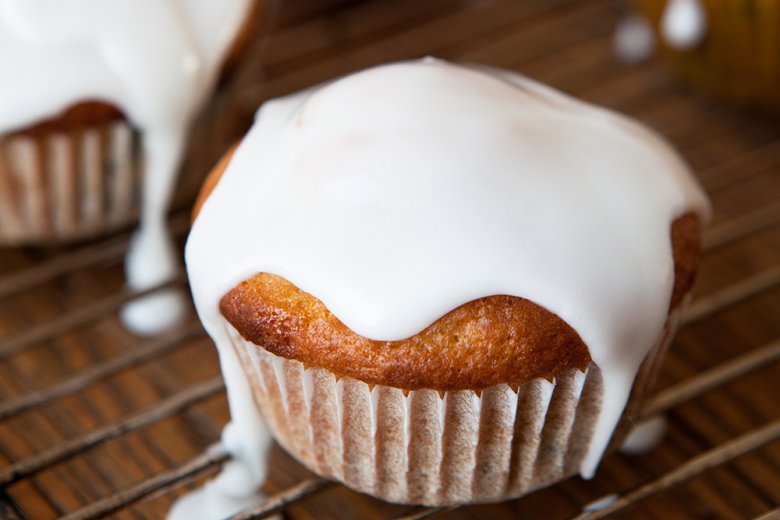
(77, 322)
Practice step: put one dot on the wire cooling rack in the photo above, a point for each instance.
(96, 422)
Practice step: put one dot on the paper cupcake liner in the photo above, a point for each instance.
(64, 186)
(429, 447)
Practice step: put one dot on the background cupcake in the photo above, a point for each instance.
(69, 178)
(95, 120)
(72, 165)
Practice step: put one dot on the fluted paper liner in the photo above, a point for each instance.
(63, 186)
(429, 447)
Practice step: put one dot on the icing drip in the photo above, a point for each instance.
(247, 439)
(397, 194)
(645, 436)
(683, 23)
(602, 503)
(152, 258)
(634, 40)
(156, 60)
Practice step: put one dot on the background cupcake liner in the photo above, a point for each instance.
(63, 186)
(60, 187)
(430, 447)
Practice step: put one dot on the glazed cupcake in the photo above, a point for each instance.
(83, 96)
(730, 49)
(442, 284)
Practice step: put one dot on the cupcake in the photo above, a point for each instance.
(730, 49)
(96, 112)
(441, 284)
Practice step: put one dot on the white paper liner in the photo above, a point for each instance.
(429, 447)
(64, 186)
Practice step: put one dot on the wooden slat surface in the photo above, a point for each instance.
(566, 43)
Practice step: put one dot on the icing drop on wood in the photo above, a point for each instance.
(399, 193)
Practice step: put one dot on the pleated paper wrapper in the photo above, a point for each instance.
(66, 186)
(430, 447)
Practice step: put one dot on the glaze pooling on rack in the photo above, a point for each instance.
(246, 438)
(156, 60)
(644, 436)
(397, 194)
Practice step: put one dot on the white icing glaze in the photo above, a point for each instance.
(214, 500)
(644, 436)
(156, 60)
(246, 438)
(397, 194)
(683, 23)
(634, 40)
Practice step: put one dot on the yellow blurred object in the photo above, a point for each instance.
(739, 55)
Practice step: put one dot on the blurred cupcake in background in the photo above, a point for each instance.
(96, 107)
(727, 48)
